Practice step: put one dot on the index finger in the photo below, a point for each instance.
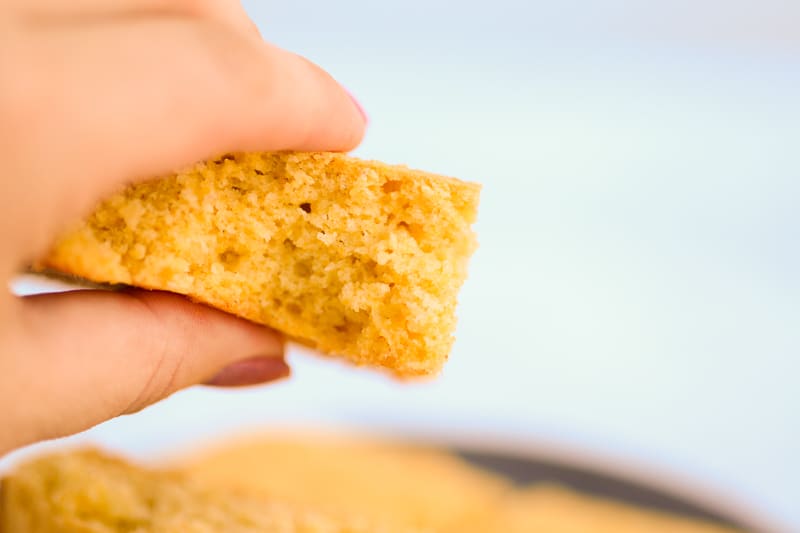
(110, 103)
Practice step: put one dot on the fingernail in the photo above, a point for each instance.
(358, 106)
(253, 371)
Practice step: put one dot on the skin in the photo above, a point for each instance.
(96, 94)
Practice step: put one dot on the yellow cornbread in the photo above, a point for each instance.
(387, 482)
(87, 492)
(356, 258)
(305, 485)
(421, 487)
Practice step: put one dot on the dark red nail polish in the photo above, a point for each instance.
(253, 371)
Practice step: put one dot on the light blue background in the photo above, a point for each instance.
(637, 291)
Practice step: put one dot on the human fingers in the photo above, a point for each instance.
(72, 360)
(96, 108)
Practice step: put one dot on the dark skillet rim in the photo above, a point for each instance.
(526, 470)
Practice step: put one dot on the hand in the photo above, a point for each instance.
(95, 94)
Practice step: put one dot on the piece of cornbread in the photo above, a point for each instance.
(308, 484)
(356, 258)
(88, 492)
(418, 487)
(389, 482)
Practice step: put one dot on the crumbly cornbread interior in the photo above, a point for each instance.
(356, 258)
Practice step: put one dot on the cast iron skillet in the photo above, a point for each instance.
(525, 471)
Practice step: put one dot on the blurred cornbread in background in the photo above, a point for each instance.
(88, 492)
(305, 484)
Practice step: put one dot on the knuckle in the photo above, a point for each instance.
(197, 8)
(234, 60)
(254, 71)
(21, 100)
(162, 359)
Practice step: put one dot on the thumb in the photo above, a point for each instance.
(78, 358)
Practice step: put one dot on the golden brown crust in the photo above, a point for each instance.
(356, 258)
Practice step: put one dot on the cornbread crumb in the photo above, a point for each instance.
(356, 258)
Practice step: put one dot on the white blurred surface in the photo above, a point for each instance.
(637, 291)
